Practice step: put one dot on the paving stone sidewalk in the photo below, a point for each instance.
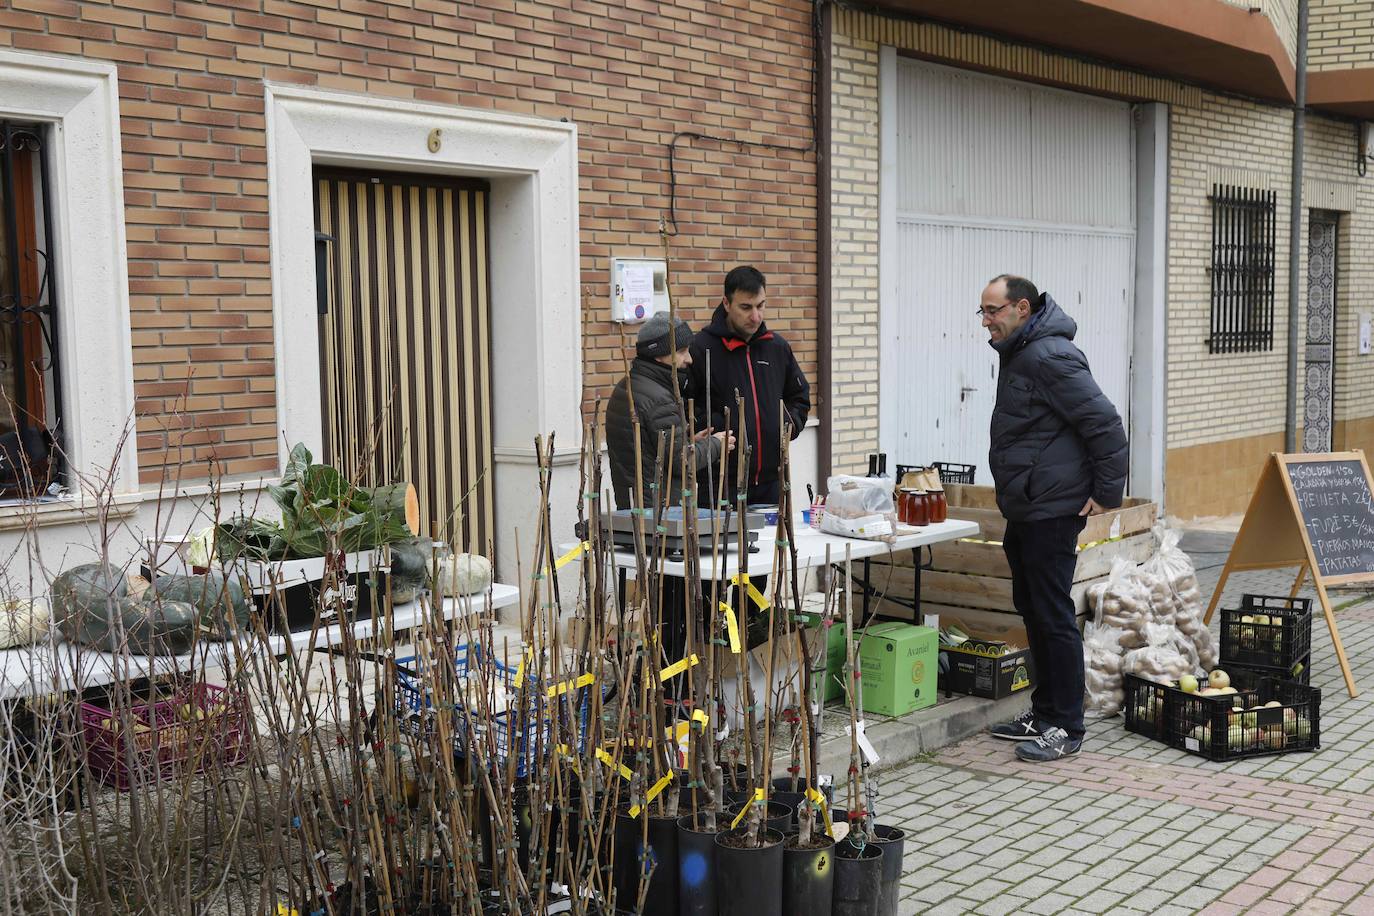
(1132, 826)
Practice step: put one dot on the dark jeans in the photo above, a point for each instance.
(1042, 558)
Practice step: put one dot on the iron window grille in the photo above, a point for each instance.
(30, 380)
(1243, 235)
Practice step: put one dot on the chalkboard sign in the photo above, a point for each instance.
(1333, 501)
(1313, 512)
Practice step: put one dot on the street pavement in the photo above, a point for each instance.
(1133, 826)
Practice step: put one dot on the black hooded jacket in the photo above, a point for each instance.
(657, 408)
(766, 375)
(1056, 439)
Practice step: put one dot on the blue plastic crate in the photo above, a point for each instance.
(414, 705)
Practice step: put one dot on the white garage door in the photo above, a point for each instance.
(984, 176)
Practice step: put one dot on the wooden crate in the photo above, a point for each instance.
(973, 573)
(979, 504)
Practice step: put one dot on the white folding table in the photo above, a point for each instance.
(55, 666)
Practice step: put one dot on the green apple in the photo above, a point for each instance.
(1187, 683)
(1218, 679)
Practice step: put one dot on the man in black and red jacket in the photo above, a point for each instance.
(737, 353)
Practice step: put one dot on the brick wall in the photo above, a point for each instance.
(630, 74)
(1284, 15)
(854, 253)
(1214, 397)
(1340, 34)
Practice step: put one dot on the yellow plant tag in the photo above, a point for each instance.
(571, 555)
(742, 580)
(817, 796)
(559, 689)
(731, 626)
(699, 715)
(678, 667)
(519, 679)
(620, 768)
(758, 797)
(653, 793)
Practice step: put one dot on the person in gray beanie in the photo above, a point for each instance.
(648, 390)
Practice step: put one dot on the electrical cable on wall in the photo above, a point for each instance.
(747, 144)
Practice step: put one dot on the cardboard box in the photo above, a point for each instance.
(982, 667)
(898, 662)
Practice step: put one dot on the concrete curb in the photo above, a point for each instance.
(899, 741)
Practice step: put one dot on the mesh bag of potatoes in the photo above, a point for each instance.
(1171, 579)
(1103, 691)
(1122, 603)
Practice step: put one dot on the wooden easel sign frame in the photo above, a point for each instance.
(1314, 512)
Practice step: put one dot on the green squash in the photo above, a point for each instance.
(219, 600)
(84, 600)
(410, 561)
(156, 626)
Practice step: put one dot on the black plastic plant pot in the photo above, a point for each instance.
(808, 877)
(779, 816)
(739, 789)
(893, 843)
(696, 860)
(633, 857)
(782, 791)
(749, 879)
(858, 879)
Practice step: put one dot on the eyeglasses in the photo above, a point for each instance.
(990, 312)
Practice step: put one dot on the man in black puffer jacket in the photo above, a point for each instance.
(1058, 455)
(742, 355)
(651, 380)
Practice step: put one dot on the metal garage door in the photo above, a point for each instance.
(990, 176)
(405, 342)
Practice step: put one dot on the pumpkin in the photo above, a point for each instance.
(409, 568)
(23, 622)
(155, 627)
(82, 598)
(464, 574)
(211, 594)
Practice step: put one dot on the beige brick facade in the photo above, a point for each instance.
(854, 252)
(630, 75)
(1222, 410)
(1340, 34)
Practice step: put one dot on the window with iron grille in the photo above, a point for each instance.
(1243, 233)
(30, 397)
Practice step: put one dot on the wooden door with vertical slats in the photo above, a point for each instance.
(405, 355)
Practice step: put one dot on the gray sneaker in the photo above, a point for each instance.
(1022, 728)
(1053, 744)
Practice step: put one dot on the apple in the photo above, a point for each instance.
(1262, 619)
(1271, 704)
(1218, 679)
(1187, 683)
(1247, 619)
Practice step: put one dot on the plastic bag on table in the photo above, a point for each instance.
(856, 497)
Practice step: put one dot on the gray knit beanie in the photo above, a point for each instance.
(652, 340)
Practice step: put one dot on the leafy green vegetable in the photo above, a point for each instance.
(319, 508)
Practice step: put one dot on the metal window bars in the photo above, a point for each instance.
(31, 399)
(1243, 235)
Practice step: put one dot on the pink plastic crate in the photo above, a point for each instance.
(201, 726)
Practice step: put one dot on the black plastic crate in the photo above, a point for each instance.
(1300, 672)
(1284, 639)
(1143, 706)
(950, 472)
(1233, 726)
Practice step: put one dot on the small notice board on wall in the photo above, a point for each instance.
(1314, 512)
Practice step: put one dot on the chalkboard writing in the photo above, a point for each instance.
(1334, 500)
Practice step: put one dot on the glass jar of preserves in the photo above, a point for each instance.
(939, 509)
(920, 508)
